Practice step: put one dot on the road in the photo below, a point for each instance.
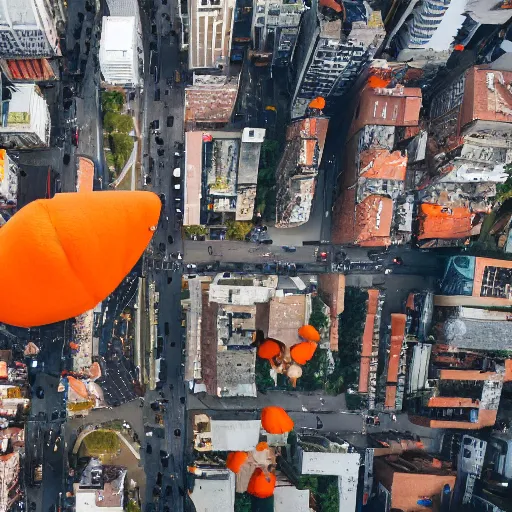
(167, 283)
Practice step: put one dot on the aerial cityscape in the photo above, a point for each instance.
(256, 255)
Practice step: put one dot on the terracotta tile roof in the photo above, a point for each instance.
(487, 96)
(343, 217)
(436, 221)
(33, 70)
(210, 105)
(390, 401)
(373, 220)
(373, 301)
(452, 401)
(408, 488)
(286, 315)
(392, 107)
(364, 374)
(383, 164)
(85, 178)
(397, 336)
(332, 290)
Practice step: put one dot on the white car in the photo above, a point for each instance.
(177, 172)
(177, 186)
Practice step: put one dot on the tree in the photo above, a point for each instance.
(242, 502)
(124, 123)
(122, 146)
(132, 506)
(101, 441)
(308, 482)
(112, 101)
(330, 499)
(192, 231)
(115, 122)
(237, 230)
(263, 379)
(318, 319)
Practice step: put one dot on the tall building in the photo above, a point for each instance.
(119, 58)
(25, 121)
(210, 33)
(335, 41)
(275, 27)
(28, 29)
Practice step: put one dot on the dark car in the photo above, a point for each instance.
(289, 248)
(67, 92)
(168, 491)
(177, 432)
(39, 392)
(155, 125)
(267, 241)
(151, 164)
(162, 199)
(170, 239)
(292, 269)
(159, 141)
(155, 406)
(55, 415)
(170, 121)
(159, 479)
(160, 152)
(166, 328)
(157, 491)
(157, 94)
(161, 247)
(153, 46)
(153, 29)
(149, 449)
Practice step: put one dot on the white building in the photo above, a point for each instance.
(25, 119)
(119, 56)
(28, 29)
(210, 33)
(214, 491)
(8, 178)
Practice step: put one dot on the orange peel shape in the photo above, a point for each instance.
(308, 332)
(275, 420)
(303, 352)
(60, 257)
(261, 446)
(260, 485)
(236, 460)
(269, 349)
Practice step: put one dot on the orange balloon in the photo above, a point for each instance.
(275, 420)
(261, 446)
(60, 257)
(78, 386)
(260, 485)
(317, 103)
(303, 352)
(236, 460)
(308, 332)
(269, 349)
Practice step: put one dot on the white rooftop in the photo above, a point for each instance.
(235, 435)
(289, 498)
(118, 35)
(337, 464)
(214, 495)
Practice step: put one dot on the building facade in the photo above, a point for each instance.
(25, 119)
(119, 56)
(334, 45)
(275, 27)
(28, 28)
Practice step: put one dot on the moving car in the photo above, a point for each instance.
(75, 136)
(177, 172)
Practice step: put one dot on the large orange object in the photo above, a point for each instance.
(308, 332)
(261, 485)
(317, 103)
(60, 257)
(269, 349)
(303, 352)
(275, 420)
(376, 82)
(437, 221)
(236, 460)
(78, 386)
(261, 446)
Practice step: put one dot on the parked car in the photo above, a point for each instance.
(75, 132)
(170, 121)
(177, 172)
(157, 94)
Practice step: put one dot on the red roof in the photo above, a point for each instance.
(373, 220)
(487, 96)
(436, 221)
(29, 69)
(397, 338)
(383, 164)
(390, 107)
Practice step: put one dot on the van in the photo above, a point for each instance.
(156, 123)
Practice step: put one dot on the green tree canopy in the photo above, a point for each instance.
(242, 502)
(115, 122)
(237, 230)
(263, 379)
(121, 146)
(112, 101)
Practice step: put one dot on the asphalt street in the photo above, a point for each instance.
(171, 437)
